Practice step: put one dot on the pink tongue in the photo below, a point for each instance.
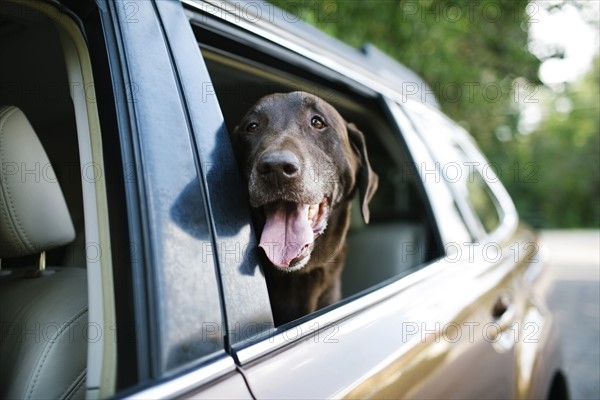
(286, 233)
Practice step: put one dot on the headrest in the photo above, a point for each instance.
(33, 214)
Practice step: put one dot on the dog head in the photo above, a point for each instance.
(300, 159)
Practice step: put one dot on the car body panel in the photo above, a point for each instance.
(435, 331)
(219, 380)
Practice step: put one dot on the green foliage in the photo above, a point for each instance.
(474, 55)
(562, 188)
(468, 51)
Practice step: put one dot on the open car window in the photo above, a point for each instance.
(401, 236)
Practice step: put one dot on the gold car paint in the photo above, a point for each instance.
(425, 371)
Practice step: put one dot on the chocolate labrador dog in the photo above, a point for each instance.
(303, 164)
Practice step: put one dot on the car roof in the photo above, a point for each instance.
(368, 55)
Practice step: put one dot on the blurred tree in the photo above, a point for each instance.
(469, 51)
(554, 171)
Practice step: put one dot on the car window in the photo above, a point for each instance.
(483, 201)
(401, 236)
(458, 167)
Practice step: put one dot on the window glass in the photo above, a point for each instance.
(177, 263)
(450, 145)
(482, 200)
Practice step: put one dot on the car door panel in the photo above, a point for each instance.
(234, 245)
(231, 388)
(217, 379)
(403, 346)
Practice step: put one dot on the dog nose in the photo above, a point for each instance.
(279, 166)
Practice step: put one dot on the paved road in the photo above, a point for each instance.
(575, 299)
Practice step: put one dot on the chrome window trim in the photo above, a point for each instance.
(280, 338)
(187, 382)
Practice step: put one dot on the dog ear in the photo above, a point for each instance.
(366, 180)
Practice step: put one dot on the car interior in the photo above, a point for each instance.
(43, 280)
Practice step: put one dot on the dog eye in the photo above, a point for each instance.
(252, 127)
(317, 122)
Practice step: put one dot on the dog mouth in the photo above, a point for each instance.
(290, 231)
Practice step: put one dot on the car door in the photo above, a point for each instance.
(522, 322)
(191, 307)
(171, 325)
(104, 82)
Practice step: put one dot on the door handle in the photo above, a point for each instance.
(503, 314)
(501, 306)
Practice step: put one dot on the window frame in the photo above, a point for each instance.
(258, 37)
(125, 46)
(442, 200)
(507, 214)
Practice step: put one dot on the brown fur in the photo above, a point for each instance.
(332, 162)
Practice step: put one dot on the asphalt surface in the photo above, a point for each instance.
(574, 257)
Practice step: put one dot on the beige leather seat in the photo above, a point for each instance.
(381, 252)
(43, 314)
